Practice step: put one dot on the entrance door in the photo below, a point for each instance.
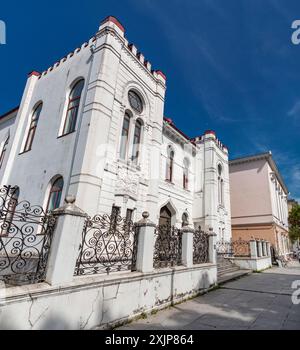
(165, 217)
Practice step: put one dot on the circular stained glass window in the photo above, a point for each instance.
(135, 101)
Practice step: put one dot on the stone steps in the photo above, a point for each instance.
(226, 269)
(233, 275)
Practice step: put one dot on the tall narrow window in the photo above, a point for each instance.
(137, 142)
(170, 165)
(220, 185)
(32, 129)
(125, 137)
(73, 108)
(186, 174)
(3, 152)
(55, 194)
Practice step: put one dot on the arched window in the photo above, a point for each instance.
(73, 108)
(125, 137)
(137, 142)
(220, 185)
(186, 174)
(170, 165)
(32, 129)
(3, 152)
(185, 220)
(55, 194)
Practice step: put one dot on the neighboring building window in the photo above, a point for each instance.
(135, 101)
(10, 212)
(137, 141)
(186, 174)
(32, 129)
(115, 213)
(3, 152)
(220, 185)
(55, 194)
(170, 165)
(73, 108)
(125, 137)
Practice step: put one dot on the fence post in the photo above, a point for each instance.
(264, 248)
(268, 249)
(253, 249)
(65, 244)
(259, 248)
(146, 241)
(212, 246)
(188, 246)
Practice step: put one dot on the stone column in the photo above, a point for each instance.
(268, 248)
(146, 242)
(212, 246)
(66, 241)
(259, 248)
(253, 249)
(188, 246)
(264, 248)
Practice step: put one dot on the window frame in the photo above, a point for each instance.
(136, 146)
(70, 108)
(32, 128)
(3, 152)
(53, 183)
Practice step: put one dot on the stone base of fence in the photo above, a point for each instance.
(101, 301)
(255, 264)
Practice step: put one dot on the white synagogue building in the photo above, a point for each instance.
(93, 126)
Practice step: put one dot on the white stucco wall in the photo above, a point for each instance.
(95, 301)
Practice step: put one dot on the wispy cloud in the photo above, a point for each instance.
(294, 112)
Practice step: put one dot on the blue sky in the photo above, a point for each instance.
(231, 66)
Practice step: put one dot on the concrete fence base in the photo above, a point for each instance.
(100, 301)
(255, 264)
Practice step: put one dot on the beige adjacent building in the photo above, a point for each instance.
(259, 201)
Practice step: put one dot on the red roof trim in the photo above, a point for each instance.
(35, 73)
(9, 112)
(159, 72)
(115, 21)
(210, 132)
(170, 122)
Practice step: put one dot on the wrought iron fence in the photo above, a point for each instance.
(168, 247)
(25, 239)
(108, 245)
(201, 247)
(238, 248)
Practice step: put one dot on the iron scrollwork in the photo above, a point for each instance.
(168, 247)
(201, 247)
(108, 245)
(25, 239)
(237, 248)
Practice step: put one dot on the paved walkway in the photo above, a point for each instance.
(258, 301)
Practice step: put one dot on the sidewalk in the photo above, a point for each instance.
(258, 301)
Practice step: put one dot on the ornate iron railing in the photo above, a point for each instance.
(25, 239)
(168, 247)
(238, 248)
(201, 247)
(108, 245)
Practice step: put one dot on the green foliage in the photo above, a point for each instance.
(294, 223)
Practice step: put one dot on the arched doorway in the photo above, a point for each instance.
(165, 218)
